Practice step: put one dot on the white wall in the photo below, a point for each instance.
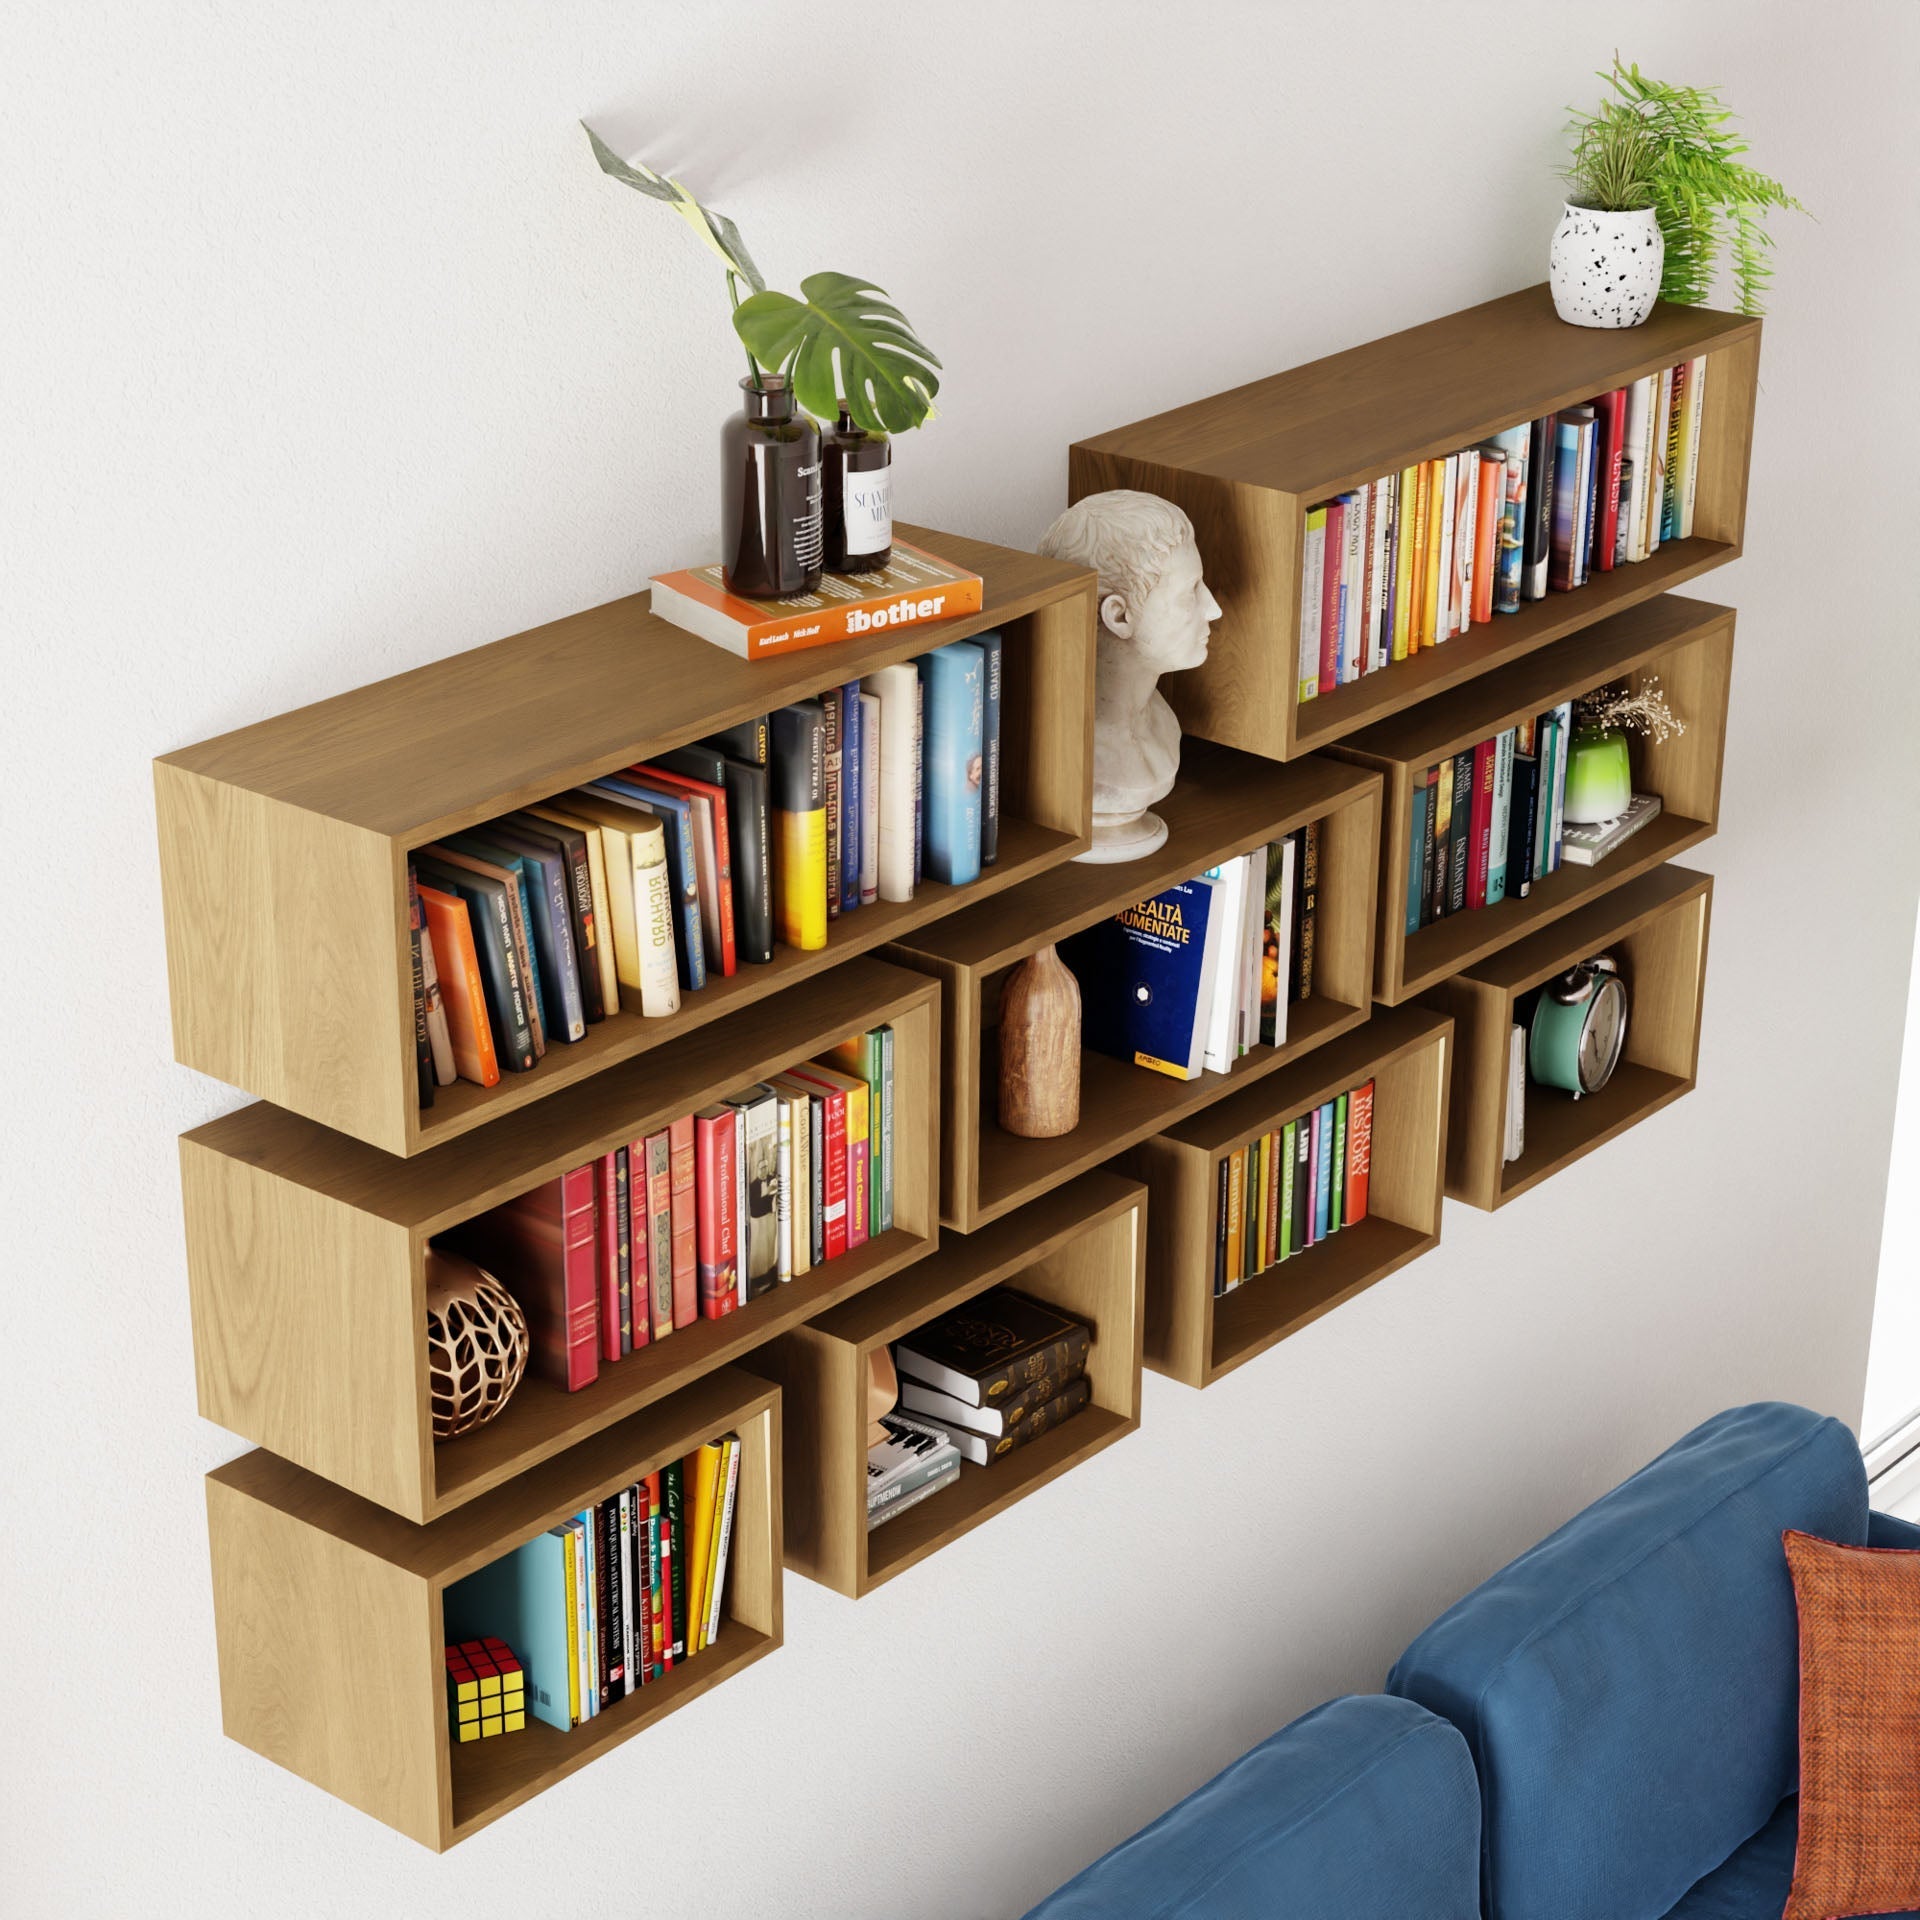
(1893, 1352)
(326, 351)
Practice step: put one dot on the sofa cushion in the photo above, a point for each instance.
(1628, 1687)
(1753, 1884)
(1364, 1809)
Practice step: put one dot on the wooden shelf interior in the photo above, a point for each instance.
(1247, 466)
(283, 846)
(1224, 803)
(1656, 927)
(1079, 1248)
(306, 1250)
(328, 1612)
(1194, 1335)
(1687, 645)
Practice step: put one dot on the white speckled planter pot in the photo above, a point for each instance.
(1605, 267)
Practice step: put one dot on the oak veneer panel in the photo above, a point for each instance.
(1223, 804)
(1657, 927)
(1246, 466)
(1686, 644)
(306, 1250)
(284, 844)
(328, 1612)
(1195, 1336)
(1080, 1248)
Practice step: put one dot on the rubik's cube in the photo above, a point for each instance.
(486, 1690)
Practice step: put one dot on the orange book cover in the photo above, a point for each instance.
(915, 588)
(1359, 1152)
(1417, 632)
(460, 987)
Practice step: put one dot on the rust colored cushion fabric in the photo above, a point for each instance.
(1859, 1847)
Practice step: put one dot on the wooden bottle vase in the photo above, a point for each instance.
(1040, 1048)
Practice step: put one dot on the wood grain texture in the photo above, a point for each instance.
(1686, 644)
(306, 1253)
(1223, 804)
(1194, 1336)
(328, 1614)
(1081, 1248)
(283, 845)
(1656, 926)
(1039, 1087)
(1247, 464)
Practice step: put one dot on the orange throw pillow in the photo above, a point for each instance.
(1859, 1847)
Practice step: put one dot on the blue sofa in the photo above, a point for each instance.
(1606, 1730)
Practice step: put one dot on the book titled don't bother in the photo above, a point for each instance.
(914, 589)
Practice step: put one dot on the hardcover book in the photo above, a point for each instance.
(991, 1346)
(983, 1449)
(953, 683)
(759, 1228)
(1587, 845)
(897, 688)
(543, 1247)
(915, 588)
(674, 811)
(991, 648)
(800, 824)
(1146, 977)
(715, 1147)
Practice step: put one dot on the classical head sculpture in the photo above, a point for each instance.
(1155, 612)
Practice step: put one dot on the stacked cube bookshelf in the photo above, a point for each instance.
(284, 851)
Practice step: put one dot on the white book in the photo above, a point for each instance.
(783, 1194)
(1634, 519)
(1253, 943)
(869, 799)
(1229, 907)
(1313, 562)
(897, 688)
(718, 1585)
(1563, 714)
(1465, 524)
(653, 918)
(1449, 480)
(1515, 1143)
(1690, 476)
(1379, 648)
(1283, 940)
(1353, 580)
(878, 1516)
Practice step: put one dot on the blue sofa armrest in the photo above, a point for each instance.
(1887, 1530)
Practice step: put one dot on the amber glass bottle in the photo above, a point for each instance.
(770, 494)
(857, 482)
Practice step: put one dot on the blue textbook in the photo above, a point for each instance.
(953, 684)
(522, 1599)
(676, 815)
(990, 649)
(1146, 979)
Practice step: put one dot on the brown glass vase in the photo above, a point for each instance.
(1040, 1048)
(770, 524)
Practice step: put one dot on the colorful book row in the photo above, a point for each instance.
(1192, 978)
(616, 1597)
(700, 1218)
(1293, 1187)
(1407, 561)
(636, 888)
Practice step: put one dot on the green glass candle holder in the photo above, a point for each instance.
(1599, 775)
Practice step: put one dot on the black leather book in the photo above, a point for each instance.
(747, 741)
(989, 1347)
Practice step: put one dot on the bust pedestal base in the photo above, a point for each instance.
(1120, 837)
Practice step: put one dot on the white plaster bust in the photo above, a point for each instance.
(1155, 611)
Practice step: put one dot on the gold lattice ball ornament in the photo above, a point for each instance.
(476, 1344)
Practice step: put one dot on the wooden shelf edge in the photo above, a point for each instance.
(1659, 1090)
(617, 1393)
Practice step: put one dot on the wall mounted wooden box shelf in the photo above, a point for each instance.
(1687, 644)
(1079, 1248)
(1656, 926)
(1247, 465)
(329, 1618)
(1195, 1335)
(305, 1250)
(1224, 803)
(283, 846)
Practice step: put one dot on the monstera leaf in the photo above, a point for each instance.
(714, 229)
(884, 371)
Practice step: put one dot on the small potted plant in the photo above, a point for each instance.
(845, 353)
(1656, 188)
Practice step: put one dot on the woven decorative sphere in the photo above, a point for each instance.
(476, 1344)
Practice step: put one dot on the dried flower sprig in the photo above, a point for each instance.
(1645, 712)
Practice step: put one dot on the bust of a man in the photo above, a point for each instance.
(1155, 612)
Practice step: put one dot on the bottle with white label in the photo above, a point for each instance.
(857, 482)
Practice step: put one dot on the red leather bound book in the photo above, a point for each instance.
(686, 1257)
(835, 1185)
(1480, 823)
(720, 936)
(544, 1249)
(611, 1346)
(715, 1141)
(1611, 410)
(1330, 596)
(1359, 1152)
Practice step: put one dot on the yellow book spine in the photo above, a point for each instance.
(1436, 522)
(801, 879)
(1403, 505)
(573, 1631)
(716, 1571)
(706, 1476)
(1417, 586)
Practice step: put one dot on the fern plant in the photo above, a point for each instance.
(1671, 148)
(843, 341)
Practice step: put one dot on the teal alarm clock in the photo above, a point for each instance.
(1579, 1028)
